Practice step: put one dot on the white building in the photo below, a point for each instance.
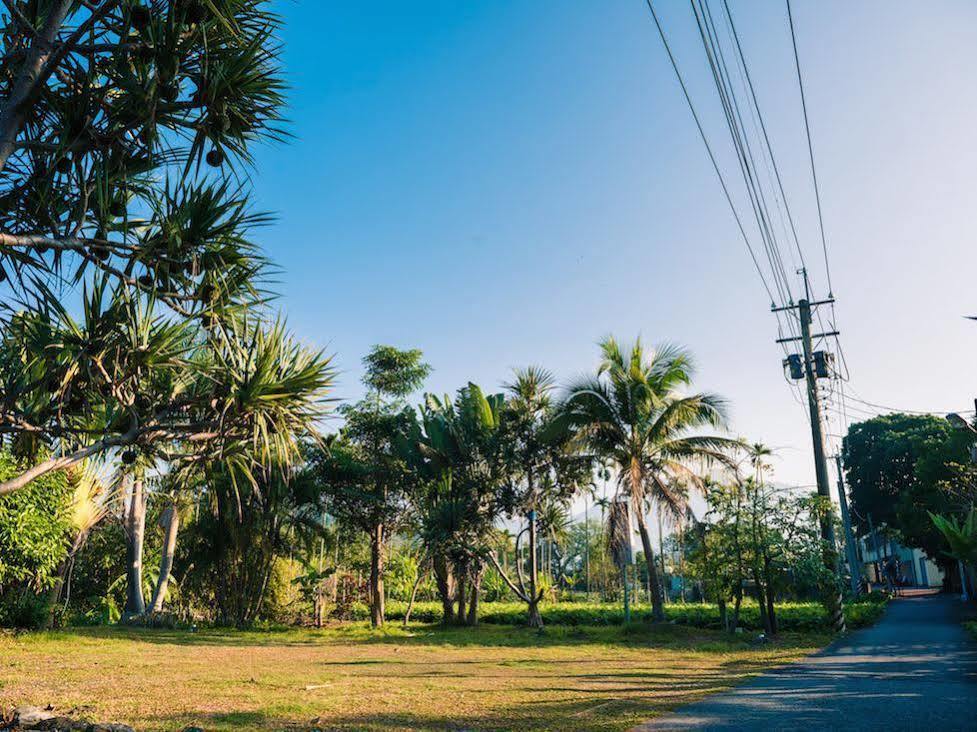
(909, 567)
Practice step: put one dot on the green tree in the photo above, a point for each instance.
(35, 526)
(234, 543)
(544, 473)
(961, 538)
(459, 452)
(109, 111)
(900, 468)
(363, 472)
(634, 415)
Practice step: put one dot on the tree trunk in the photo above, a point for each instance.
(762, 601)
(461, 581)
(737, 604)
(421, 569)
(771, 611)
(476, 583)
(13, 111)
(442, 579)
(377, 613)
(534, 619)
(657, 596)
(170, 523)
(723, 613)
(135, 534)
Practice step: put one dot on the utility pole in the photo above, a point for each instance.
(832, 594)
(850, 548)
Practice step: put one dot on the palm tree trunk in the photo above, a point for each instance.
(476, 584)
(461, 594)
(535, 620)
(657, 596)
(377, 613)
(135, 535)
(442, 578)
(170, 522)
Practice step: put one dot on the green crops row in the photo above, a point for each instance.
(790, 616)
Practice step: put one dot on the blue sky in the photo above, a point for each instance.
(503, 183)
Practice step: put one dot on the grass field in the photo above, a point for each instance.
(492, 677)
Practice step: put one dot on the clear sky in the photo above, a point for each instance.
(503, 183)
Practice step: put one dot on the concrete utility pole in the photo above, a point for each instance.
(832, 598)
(850, 547)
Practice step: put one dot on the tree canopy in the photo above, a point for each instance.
(899, 467)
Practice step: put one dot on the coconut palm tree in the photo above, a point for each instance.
(633, 414)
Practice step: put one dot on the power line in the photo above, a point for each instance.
(810, 147)
(874, 405)
(763, 127)
(747, 163)
(745, 157)
(705, 141)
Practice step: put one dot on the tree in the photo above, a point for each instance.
(633, 414)
(240, 533)
(363, 471)
(754, 532)
(458, 451)
(900, 468)
(961, 538)
(35, 526)
(91, 502)
(108, 112)
(544, 474)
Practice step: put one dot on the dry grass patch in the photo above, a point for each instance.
(428, 678)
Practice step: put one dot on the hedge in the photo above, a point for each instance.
(790, 615)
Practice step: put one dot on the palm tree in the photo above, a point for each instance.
(457, 447)
(543, 475)
(633, 414)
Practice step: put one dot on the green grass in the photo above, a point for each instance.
(800, 616)
(350, 677)
(972, 627)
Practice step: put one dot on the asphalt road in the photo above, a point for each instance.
(916, 669)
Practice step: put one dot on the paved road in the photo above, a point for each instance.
(914, 670)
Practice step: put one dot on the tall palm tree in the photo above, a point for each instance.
(634, 414)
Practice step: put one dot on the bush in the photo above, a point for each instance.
(28, 611)
(35, 522)
(34, 525)
(801, 616)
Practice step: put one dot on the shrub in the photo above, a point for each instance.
(34, 528)
(798, 616)
(25, 610)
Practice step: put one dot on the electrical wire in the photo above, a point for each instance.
(745, 157)
(763, 127)
(705, 141)
(810, 146)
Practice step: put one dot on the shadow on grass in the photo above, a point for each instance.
(664, 636)
(599, 714)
